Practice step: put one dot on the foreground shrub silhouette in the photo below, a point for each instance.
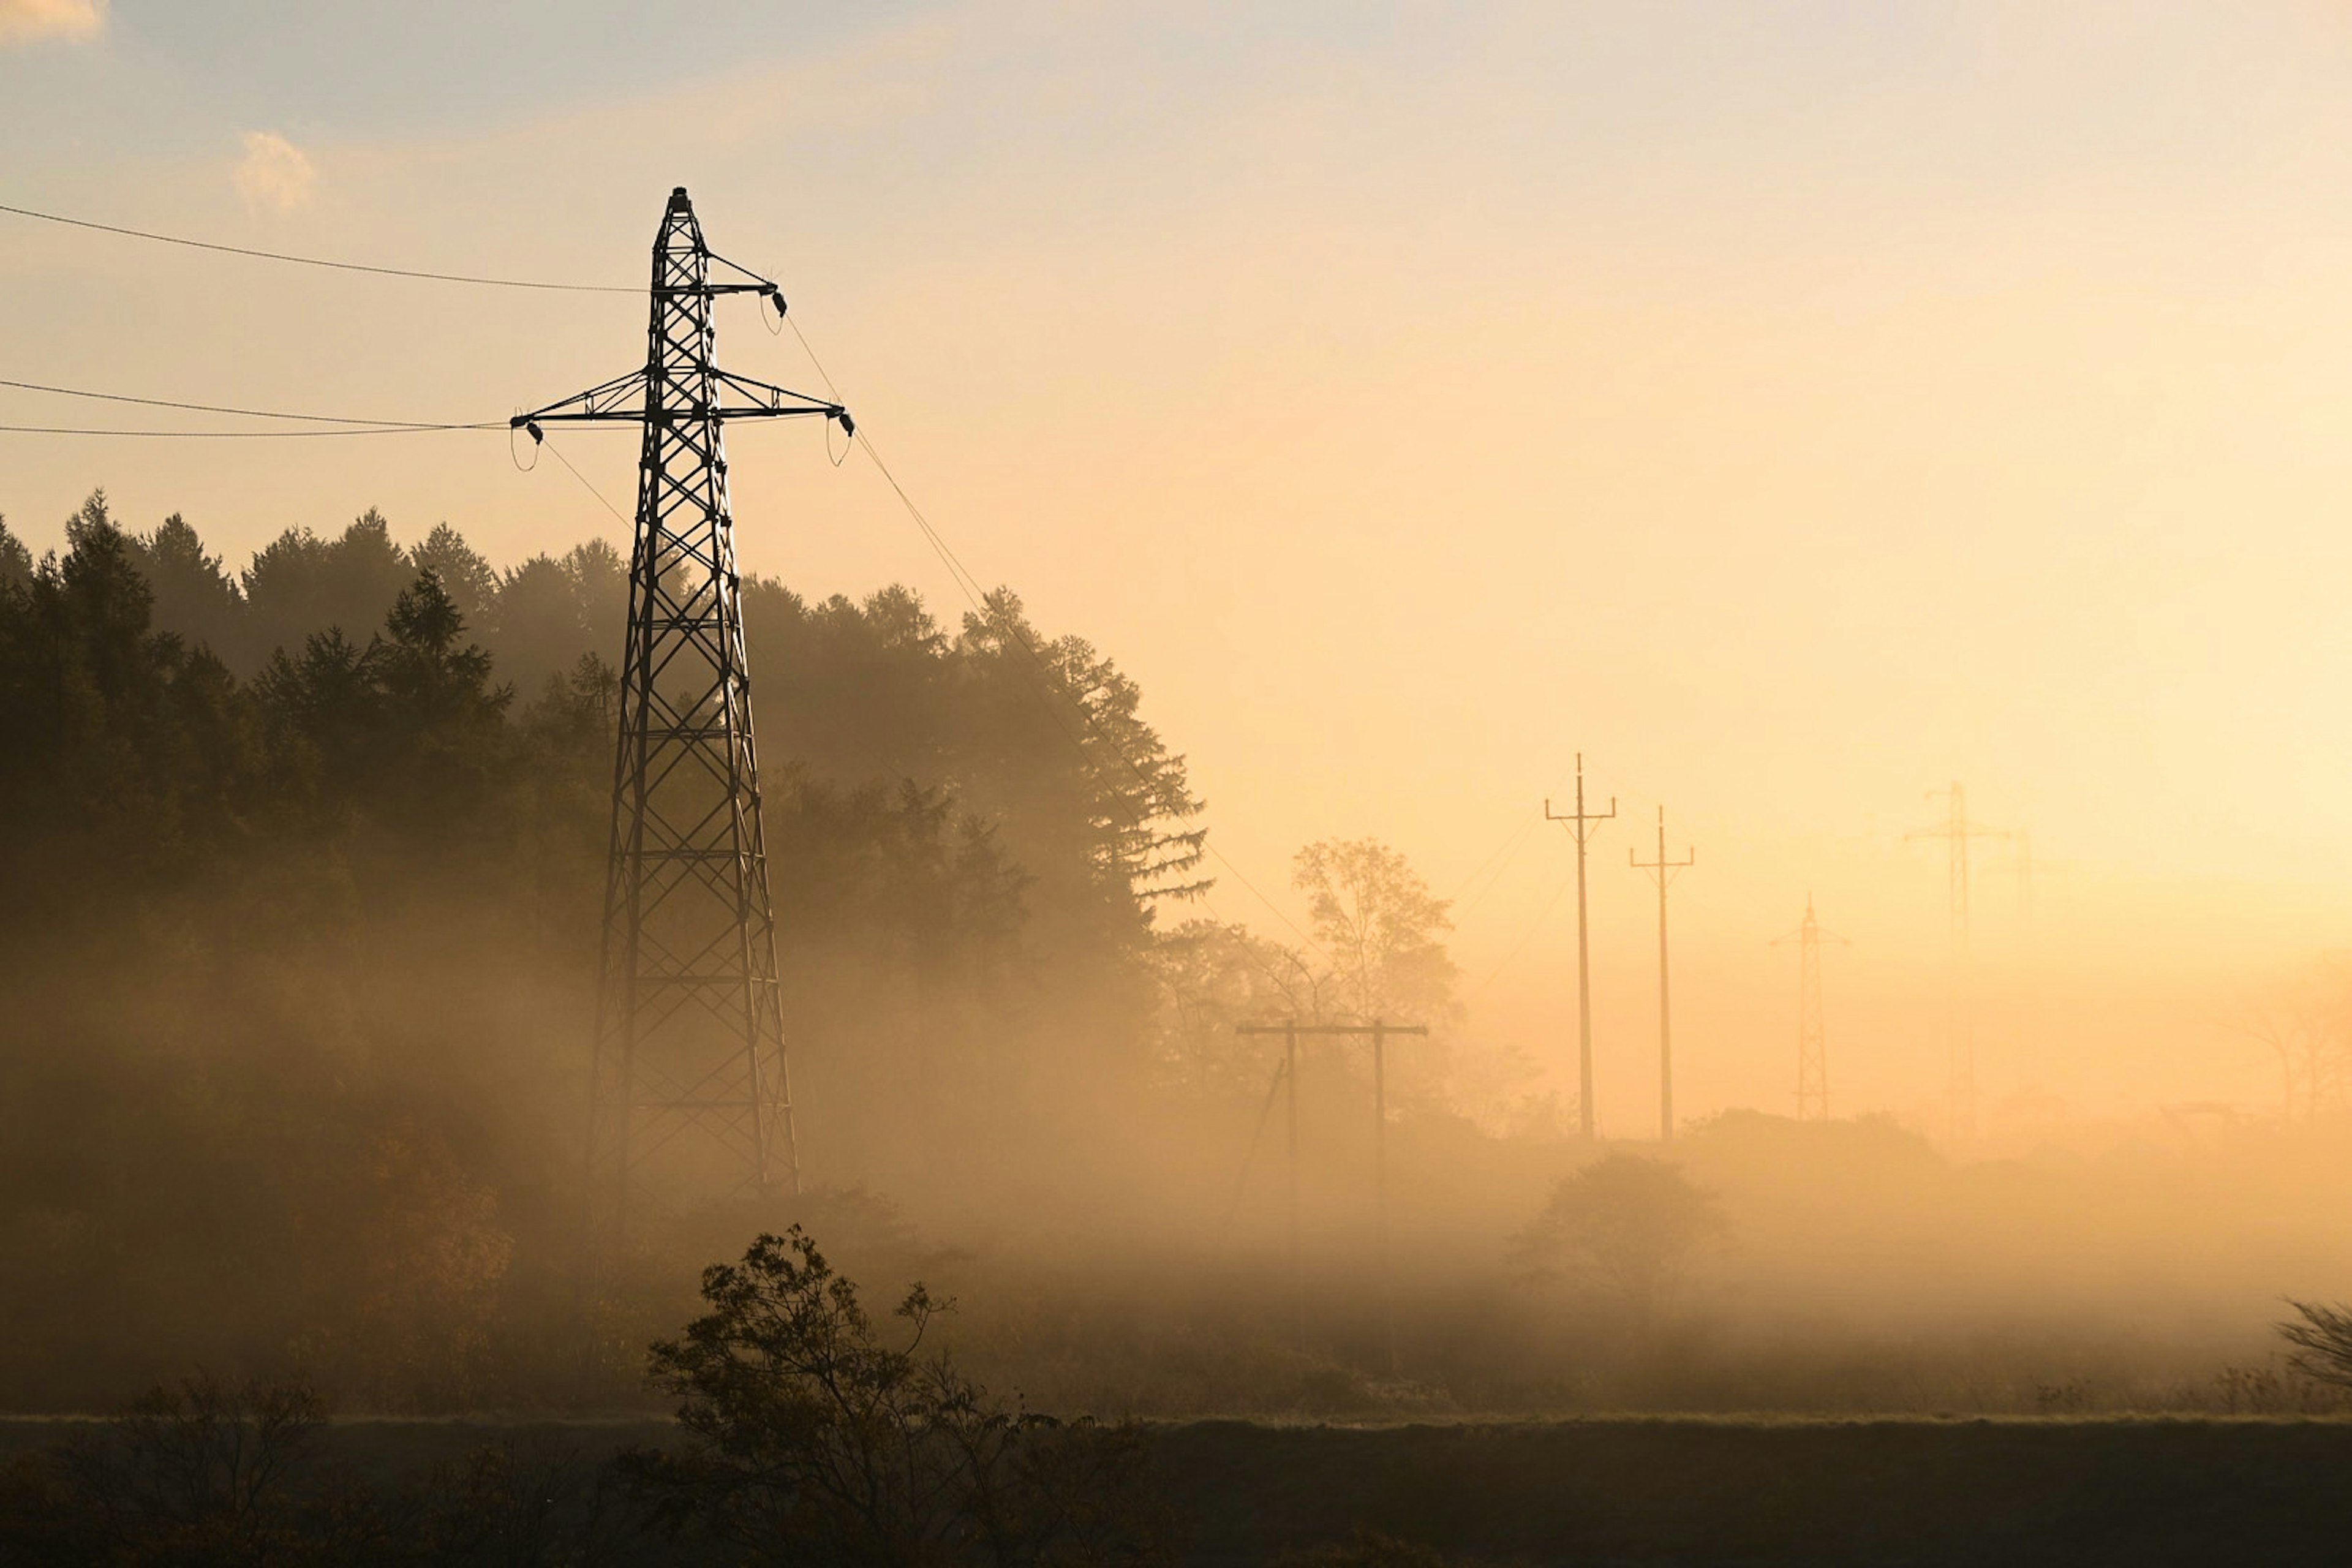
(811, 1440)
(2322, 1338)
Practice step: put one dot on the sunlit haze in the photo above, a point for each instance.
(1792, 411)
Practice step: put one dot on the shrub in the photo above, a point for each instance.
(811, 1439)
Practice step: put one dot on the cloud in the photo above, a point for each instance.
(24, 21)
(274, 173)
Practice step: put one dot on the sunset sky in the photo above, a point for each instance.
(1793, 406)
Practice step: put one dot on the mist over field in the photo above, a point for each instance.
(300, 976)
(1330, 785)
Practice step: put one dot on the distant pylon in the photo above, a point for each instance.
(2025, 874)
(1960, 1083)
(1662, 870)
(690, 1037)
(1812, 1037)
(1583, 824)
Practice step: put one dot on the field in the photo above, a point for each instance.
(1636, 1491)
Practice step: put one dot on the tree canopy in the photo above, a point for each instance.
(306, 862)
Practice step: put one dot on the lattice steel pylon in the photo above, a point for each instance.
(1813, 1035)
(1960, 1088)
(688, 1089)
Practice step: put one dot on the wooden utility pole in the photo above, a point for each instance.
(1297, 1269)
(1662, 870)
(1378, 1031)
(1581, 823)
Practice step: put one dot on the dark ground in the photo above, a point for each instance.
(1634, 1491)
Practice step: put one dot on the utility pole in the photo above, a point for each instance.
(1297, 1265)
(1582, 825)
(689, 1027)
(1812, 1047)
(1378, 1031)
(1961, 1087)
(1662, 871)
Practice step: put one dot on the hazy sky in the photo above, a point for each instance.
(1795, 407)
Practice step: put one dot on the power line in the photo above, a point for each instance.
(248, 413)
(969, 586)
(320, 262)
(586, 484)
(965, 581)
(1521, 945)
(1463, 906)
(234, 435)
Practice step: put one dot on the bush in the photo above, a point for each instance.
(810, 1439)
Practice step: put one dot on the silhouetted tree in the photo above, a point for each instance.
(812, 1439)
(291, 938)
(1382, 929)
(540, 628)
(16, 560)
(470, 580)
(1625, 1225)
(599, 575)
(2322, 1337)
(195, 598)
(1211, 976)
(303, 583)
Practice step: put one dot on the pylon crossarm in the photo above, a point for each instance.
(770, 401)
(619, 401)
(622, 401)
(751, 282)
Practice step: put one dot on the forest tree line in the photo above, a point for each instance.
(306, 859)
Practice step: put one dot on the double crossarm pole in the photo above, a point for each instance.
(1378, 1031)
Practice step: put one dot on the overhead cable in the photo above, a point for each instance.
(250, 412)
(237, 434)
(969, 586)
(320, 261)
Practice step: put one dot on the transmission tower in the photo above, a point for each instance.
(1662, 871)
(688, 1094)
(1813, 1043)
(1583, 824)
(1960, 1086)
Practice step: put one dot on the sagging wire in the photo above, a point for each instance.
(234, 435)
(540, 439)
(320, 262)
(1521, 945)
(969, 586)
(342, 423)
